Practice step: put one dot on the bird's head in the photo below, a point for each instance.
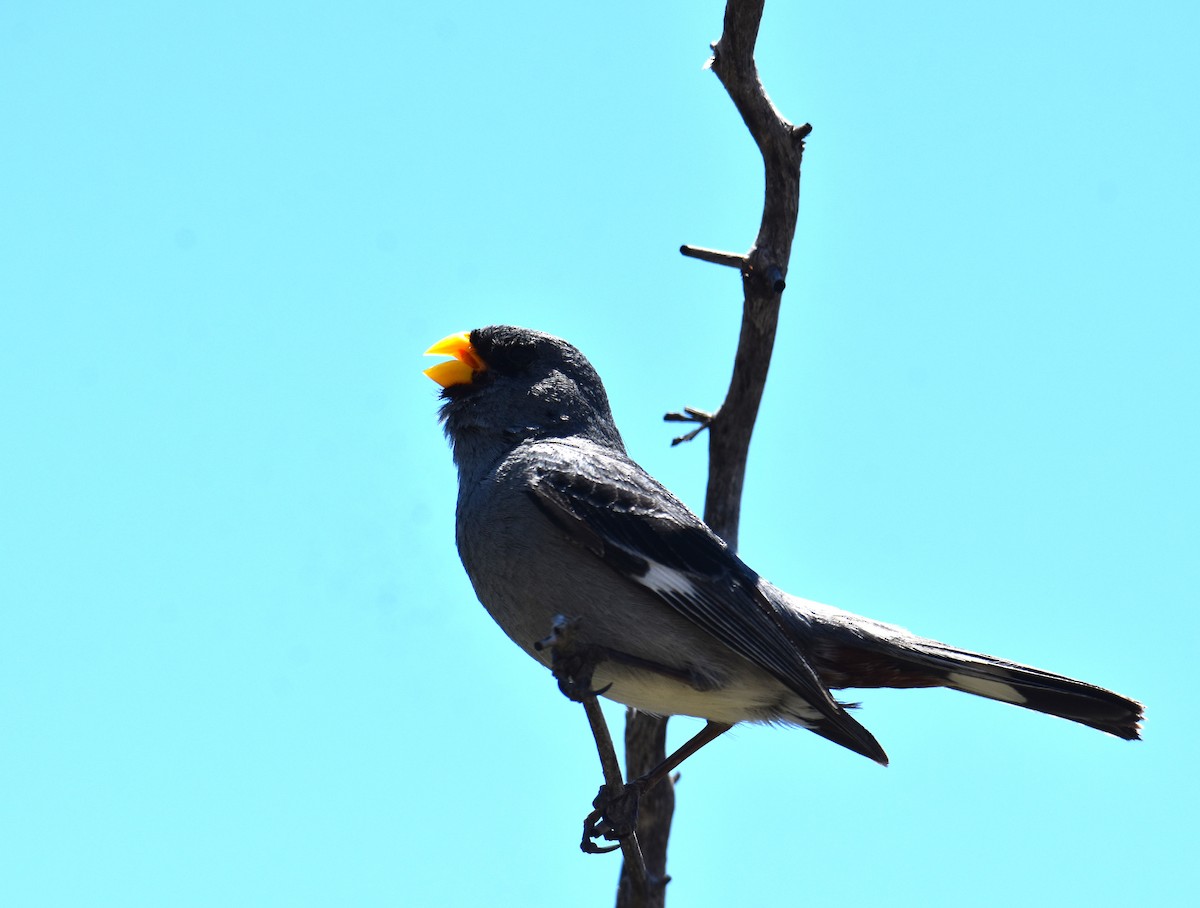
(505, 385)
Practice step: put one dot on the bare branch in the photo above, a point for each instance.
(764, 272)
(646, 748)
(690, 414)
(782, 146)
(728, 259)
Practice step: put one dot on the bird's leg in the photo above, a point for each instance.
(710, 732)
(616, 811)
(573, 664)
(616, 805)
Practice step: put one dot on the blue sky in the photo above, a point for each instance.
(239, 661)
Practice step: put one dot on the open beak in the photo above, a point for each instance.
(461, 369)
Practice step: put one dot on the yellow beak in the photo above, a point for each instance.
(460, 370)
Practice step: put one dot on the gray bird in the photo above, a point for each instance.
(555, 519)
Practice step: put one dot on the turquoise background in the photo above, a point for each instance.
(239, 661)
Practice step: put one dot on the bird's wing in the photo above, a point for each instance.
(609, 505)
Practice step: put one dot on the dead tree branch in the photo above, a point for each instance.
(766, 264)
(764, 271)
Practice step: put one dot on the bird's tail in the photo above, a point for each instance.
(851, 651)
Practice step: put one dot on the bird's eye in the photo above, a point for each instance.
(506, 350)
(511, 358)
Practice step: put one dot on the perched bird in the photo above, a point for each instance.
(555, 519)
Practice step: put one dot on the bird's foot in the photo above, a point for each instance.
(615, 817)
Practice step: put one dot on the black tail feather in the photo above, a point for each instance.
(1031, 688)
(850, 733)
(851, 651)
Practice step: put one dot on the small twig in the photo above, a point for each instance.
(690, 414)
(728, 259)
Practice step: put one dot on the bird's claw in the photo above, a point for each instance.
(587, 846)
(615, 817)
(579, 689)
(572, 663)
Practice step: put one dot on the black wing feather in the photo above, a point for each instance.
(631, 523)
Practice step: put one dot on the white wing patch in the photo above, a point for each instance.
(996, 690)
(662, 579)
(758, 697)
